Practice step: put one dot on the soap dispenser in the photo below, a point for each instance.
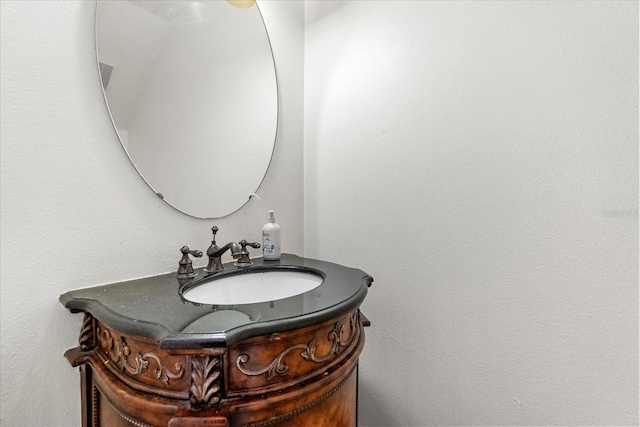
(271, 239)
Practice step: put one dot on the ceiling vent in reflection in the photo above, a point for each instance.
(105, 74)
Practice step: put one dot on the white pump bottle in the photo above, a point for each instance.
(271, 239)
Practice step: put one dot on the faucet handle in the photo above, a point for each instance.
(244, 244)
(243, 258)
(185, 267)
(213, 247)
(214, 229)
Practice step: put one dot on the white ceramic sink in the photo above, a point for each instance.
(255, 287)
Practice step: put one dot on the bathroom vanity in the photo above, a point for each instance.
(276, 343)
(150, 357)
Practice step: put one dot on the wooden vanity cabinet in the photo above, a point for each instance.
(302, 377)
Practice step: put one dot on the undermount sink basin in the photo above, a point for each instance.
(254, 287)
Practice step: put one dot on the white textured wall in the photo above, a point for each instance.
(74, 213)
(480, 161)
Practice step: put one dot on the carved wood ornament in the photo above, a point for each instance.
(86, 333)
(277, 367)
(205, 380)
(199, 387)
(118, 351)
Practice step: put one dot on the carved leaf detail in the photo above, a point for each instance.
(205, 382)
(310, 352)
(165, 375)
(140, 366)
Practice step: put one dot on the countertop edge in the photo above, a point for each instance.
(121, 323)
(77, 302)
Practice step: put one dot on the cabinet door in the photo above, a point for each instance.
(327, 402)
(97, 410)
(109, 416)
(337, 409)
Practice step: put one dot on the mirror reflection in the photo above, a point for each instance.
(191, 89)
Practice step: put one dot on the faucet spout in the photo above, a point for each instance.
(215, 253)
(235, 250)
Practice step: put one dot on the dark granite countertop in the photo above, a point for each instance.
(153, 307)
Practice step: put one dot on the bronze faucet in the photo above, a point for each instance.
(238, 251)
(215, 253)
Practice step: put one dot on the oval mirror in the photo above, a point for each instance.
(191, 89)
